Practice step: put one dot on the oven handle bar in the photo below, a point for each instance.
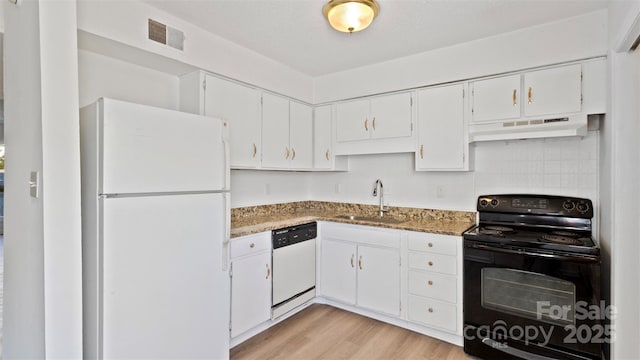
(513, 351)
(528, 253)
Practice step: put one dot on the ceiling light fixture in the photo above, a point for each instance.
(350, 15)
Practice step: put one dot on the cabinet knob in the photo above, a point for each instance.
(515, 97)
(360, 262)
(255, 150)
(530, 95)
(326, 154)
(430, 282)
(430, 310)
(430, 263)
(287, 153)
(252, 245)
(293, 151)
(366, 124)
(373, 123)
(430, 244)
(268, 272)
(352, 258)
(421, 151)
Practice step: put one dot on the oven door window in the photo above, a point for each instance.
(530, 295)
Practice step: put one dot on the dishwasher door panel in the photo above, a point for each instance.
(294, 270)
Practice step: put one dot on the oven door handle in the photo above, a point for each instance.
(513, 351)
(528, 253)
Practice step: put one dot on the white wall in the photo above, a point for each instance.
(620, 180)
(103, 76)
(257, 187)
(43, 281)
(570, 39)
(563, 166)
(126, 22)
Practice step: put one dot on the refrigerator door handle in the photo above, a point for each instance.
(227, 231)
(227, 165)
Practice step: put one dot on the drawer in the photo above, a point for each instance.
(433, 285)
(250, 244)
(433, 313)
(443, 264)
(435, 243)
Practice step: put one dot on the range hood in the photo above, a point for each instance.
(574, 125)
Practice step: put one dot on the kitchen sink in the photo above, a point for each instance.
(373, 219)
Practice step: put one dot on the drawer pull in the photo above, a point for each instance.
(268, 272)
(430, 244)
(430, 282)
(430, 310)
(430, 263)
(352, 256)
(360, 262)
(252, 245)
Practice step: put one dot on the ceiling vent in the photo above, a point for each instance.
(163, 34)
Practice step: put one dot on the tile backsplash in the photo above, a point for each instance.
(560, 166)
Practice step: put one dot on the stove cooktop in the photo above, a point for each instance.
(538, 238)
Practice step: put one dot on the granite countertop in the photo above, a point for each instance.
(255, 219)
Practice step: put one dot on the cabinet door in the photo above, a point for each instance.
(441, 137)
(352, 121)
(301, 135)
(239, 105)
(250, 292)
(322, 154)
(553, 91)
(338, 274)
(275, 131)
(496, 99)
(379, 279)
(391, 116)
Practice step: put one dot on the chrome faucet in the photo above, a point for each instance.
(377, 184)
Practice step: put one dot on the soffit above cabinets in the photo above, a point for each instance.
(294, 32)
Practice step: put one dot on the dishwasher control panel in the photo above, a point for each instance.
(294, 234)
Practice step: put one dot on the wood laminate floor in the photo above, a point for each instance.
(325, 332)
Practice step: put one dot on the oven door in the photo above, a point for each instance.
(523, 304)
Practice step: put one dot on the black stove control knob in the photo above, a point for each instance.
(484, 203)
(568, 205)
(494, 202)
(582, 207)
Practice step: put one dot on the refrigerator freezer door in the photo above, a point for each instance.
(153, 150)
(164, 292)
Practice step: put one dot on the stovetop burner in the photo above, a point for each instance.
(558, 239)
(542, 223)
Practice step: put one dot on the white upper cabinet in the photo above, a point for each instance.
(275, 131)
(301, 135)
(353, 120)
(442, 137)
(323, 157)
(238, 104)
(496, 99)
(379, 117)
(391, 116)
(322, 152)
(287, 129)
(553, 91)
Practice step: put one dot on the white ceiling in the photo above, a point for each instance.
(295, 33)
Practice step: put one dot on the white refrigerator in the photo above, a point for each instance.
(155, 233)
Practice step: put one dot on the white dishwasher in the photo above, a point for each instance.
(294, 267)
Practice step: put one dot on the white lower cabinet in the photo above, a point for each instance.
(434, 291)
(250, 282)
(378, 281)
(361, 266)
